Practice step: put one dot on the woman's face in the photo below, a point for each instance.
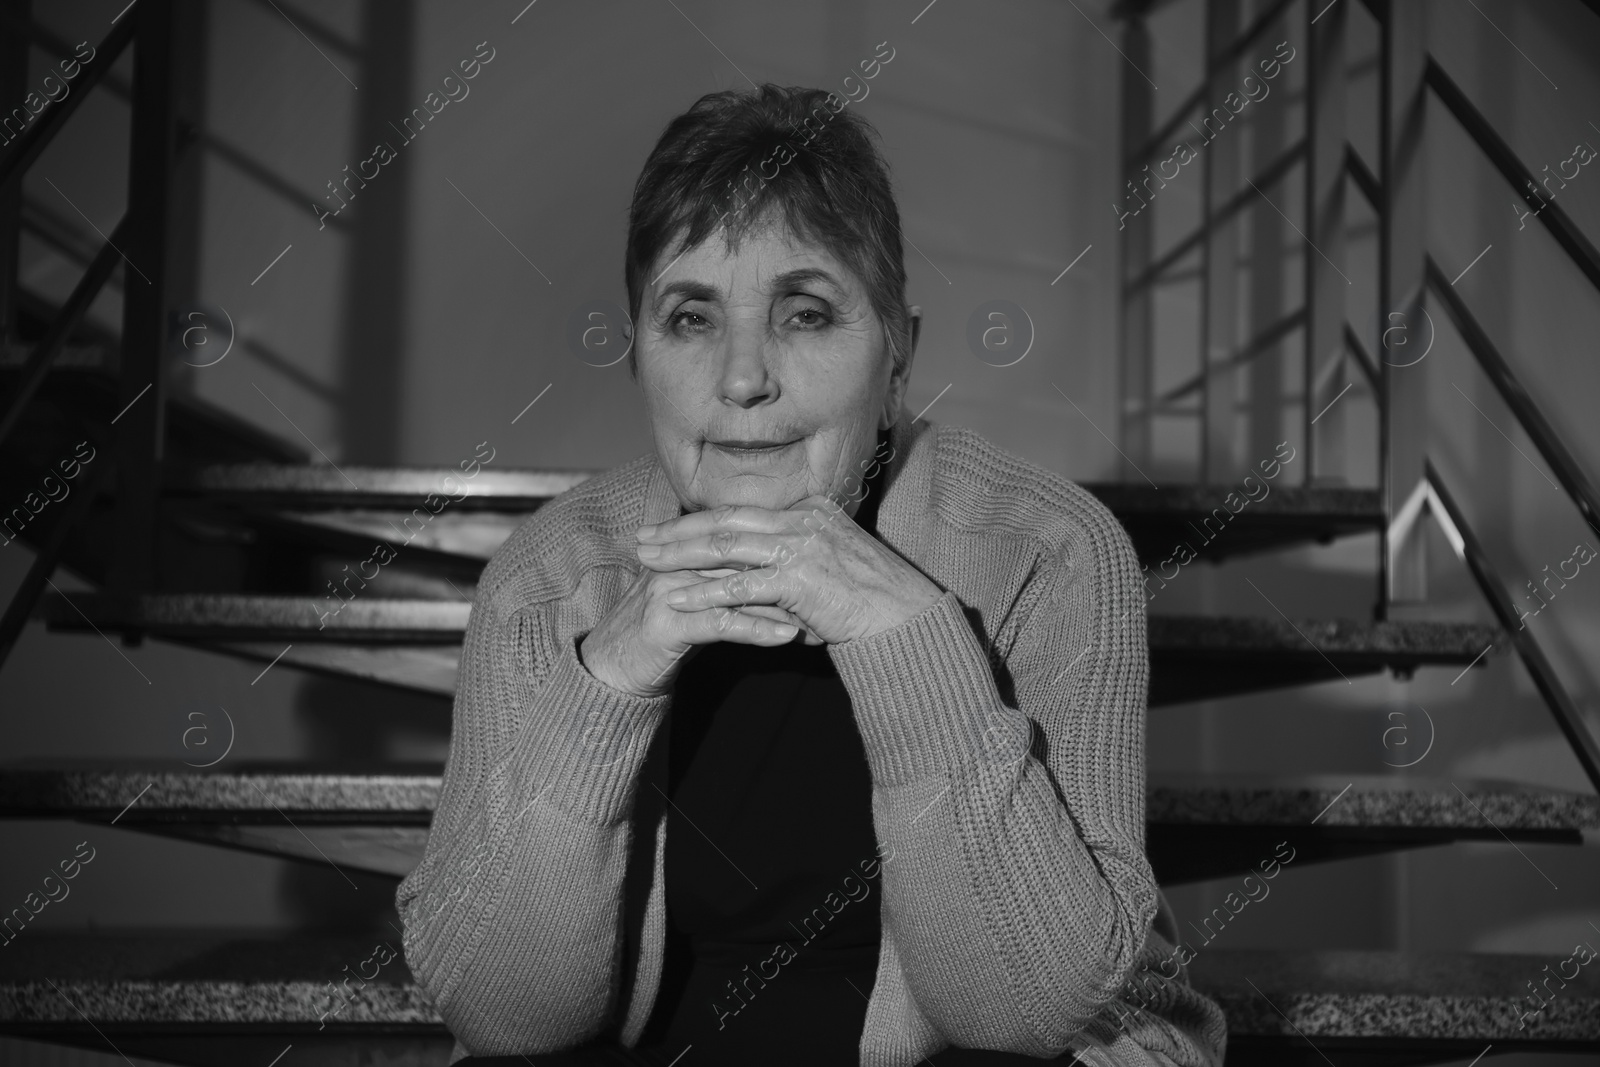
(766, 372)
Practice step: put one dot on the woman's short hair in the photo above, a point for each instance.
(737, 157)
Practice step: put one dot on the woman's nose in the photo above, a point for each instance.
(747, 378)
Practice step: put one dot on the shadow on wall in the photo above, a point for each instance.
(375, 281)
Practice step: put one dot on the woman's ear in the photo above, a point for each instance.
(900, 378)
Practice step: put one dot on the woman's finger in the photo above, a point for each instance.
(726, 624)
(725, 549)
(777, 614)
(773, 612)
(703, 523)
(736, 590)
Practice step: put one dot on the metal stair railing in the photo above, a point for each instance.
(147, 26)
(1147, 270)
(68, 319)
(39, 134)
(1574, 482)
(1432, 497)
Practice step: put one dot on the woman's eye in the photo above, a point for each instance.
(689, 321)
(809, 318)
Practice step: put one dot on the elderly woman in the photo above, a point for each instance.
(815, 736)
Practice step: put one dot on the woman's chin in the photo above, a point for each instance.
(752, 493)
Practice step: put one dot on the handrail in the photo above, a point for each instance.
(36, 137)
(38, 222)
(1365, 180)
(1258, 344)
(1567, 235)
(44, 564)
(66, 320)
(1228, 55)
(1544, 676)
(1236, 203)
(1363, 358)
(52, 44)
(1527, 413)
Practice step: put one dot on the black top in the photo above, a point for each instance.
(769, 830)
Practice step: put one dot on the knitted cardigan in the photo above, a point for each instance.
(1004, 732)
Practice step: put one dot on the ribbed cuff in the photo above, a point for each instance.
(925, 699)
(583, 742)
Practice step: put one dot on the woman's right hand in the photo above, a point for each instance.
(642, 642)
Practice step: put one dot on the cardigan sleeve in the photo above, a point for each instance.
(1016, 888)
(513, 920)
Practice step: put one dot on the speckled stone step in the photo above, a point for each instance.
(1161, 520)
(1304, 1007)
(1195, 829)
(1198, 828)
(146, 797)
(1279, 1003)
(318, 487)
(223, 999)
(234, 617)
(1192, 657)
(1196, 657)
(371, 501)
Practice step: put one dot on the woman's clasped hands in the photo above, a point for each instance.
(751, 575)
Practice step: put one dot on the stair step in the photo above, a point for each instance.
(174, 796)
(1197, 657)
(1289, 1005)
(376, 823)
(1158, 520)
(228, 616)
(1192, 657)
(1196, 829)
(180, 978)
(462, 535)
(1286, 1007)
(418, 668)
(318, 487)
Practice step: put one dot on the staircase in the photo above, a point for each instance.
(243, 541)
(1372, 1006)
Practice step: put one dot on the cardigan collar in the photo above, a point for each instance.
(902, 513)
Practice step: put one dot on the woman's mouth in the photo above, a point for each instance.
(751, 446)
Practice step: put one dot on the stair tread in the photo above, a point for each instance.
(1131, 499)
(1378, 994)
(1369, 801)
(204, 979)
(1201, 633)
(1442, 641)
(172, 792)
(253, 981)
(479, 520)
(319, 486)
(317, 483)
(420, 668)
(415, 643)
(353, 797)
(474, 535)
(234, 615)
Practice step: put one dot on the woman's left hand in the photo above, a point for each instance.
(812, 561)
